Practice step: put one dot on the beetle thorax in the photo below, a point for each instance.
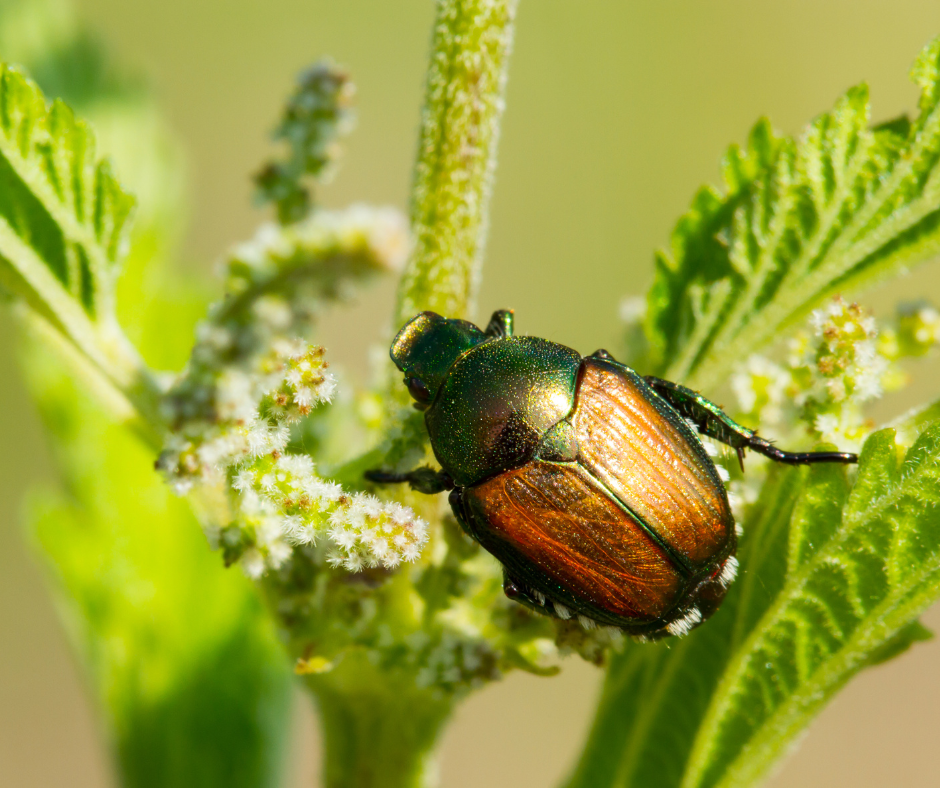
(496, 403)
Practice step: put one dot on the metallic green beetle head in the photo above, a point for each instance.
(427, 347)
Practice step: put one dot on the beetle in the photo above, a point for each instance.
(586, 480)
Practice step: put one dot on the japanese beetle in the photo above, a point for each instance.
(586, 480)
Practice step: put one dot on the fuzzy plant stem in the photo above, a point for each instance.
(380, 726)
(380, 729)
(453, 177)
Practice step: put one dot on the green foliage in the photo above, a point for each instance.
(835, 571)
(64, 223)
(181, 658)
(836, 565)
(64, 216)
(834, 579)
(184, 663)
(315, 116)
(799, 221)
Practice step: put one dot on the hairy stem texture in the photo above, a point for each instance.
(456, 155)
(380, 728)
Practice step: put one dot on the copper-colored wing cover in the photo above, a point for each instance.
(630, 529)
(552, 525)
(643, 452)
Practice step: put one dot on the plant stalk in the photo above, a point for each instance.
(453, 176)
(380, 726)
(380, 729)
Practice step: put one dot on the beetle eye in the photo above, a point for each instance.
(418, 390)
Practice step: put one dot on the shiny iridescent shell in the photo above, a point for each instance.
(595, 495)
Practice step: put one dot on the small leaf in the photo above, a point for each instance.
(863, 580)
(799, 221)
(915, 632)
(61, 206)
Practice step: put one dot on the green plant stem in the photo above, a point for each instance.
(456, 156)
(379, 728)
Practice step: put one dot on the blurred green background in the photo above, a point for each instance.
(616, 113)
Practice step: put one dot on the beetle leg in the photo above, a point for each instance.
(519, 592)
(461, 515)
(501, 324)
(712, 421)
(424, 480)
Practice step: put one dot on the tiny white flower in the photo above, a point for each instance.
(344, 538)
(244, 480)
(181, 487)
(305, 397)
(410, 552)
(279, 552)
(274, 312)
(827, 424)
(252, 563)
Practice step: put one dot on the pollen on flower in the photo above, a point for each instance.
(831, 373)
(369, 532)
(289, 505)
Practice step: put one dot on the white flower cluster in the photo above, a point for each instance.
(279, 499)
(286, 504)
(918, 330)
(453, 661)
(834, 370)
(275, 286)
(838, 370)
(252, 376)
(761, 386)
(252, 415)
(333, 246)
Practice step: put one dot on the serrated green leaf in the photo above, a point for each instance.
(180, 656)
(60, 200)
(63, 232)
(832, 581)
(192, 688)
(862, 580)
(799, 221)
